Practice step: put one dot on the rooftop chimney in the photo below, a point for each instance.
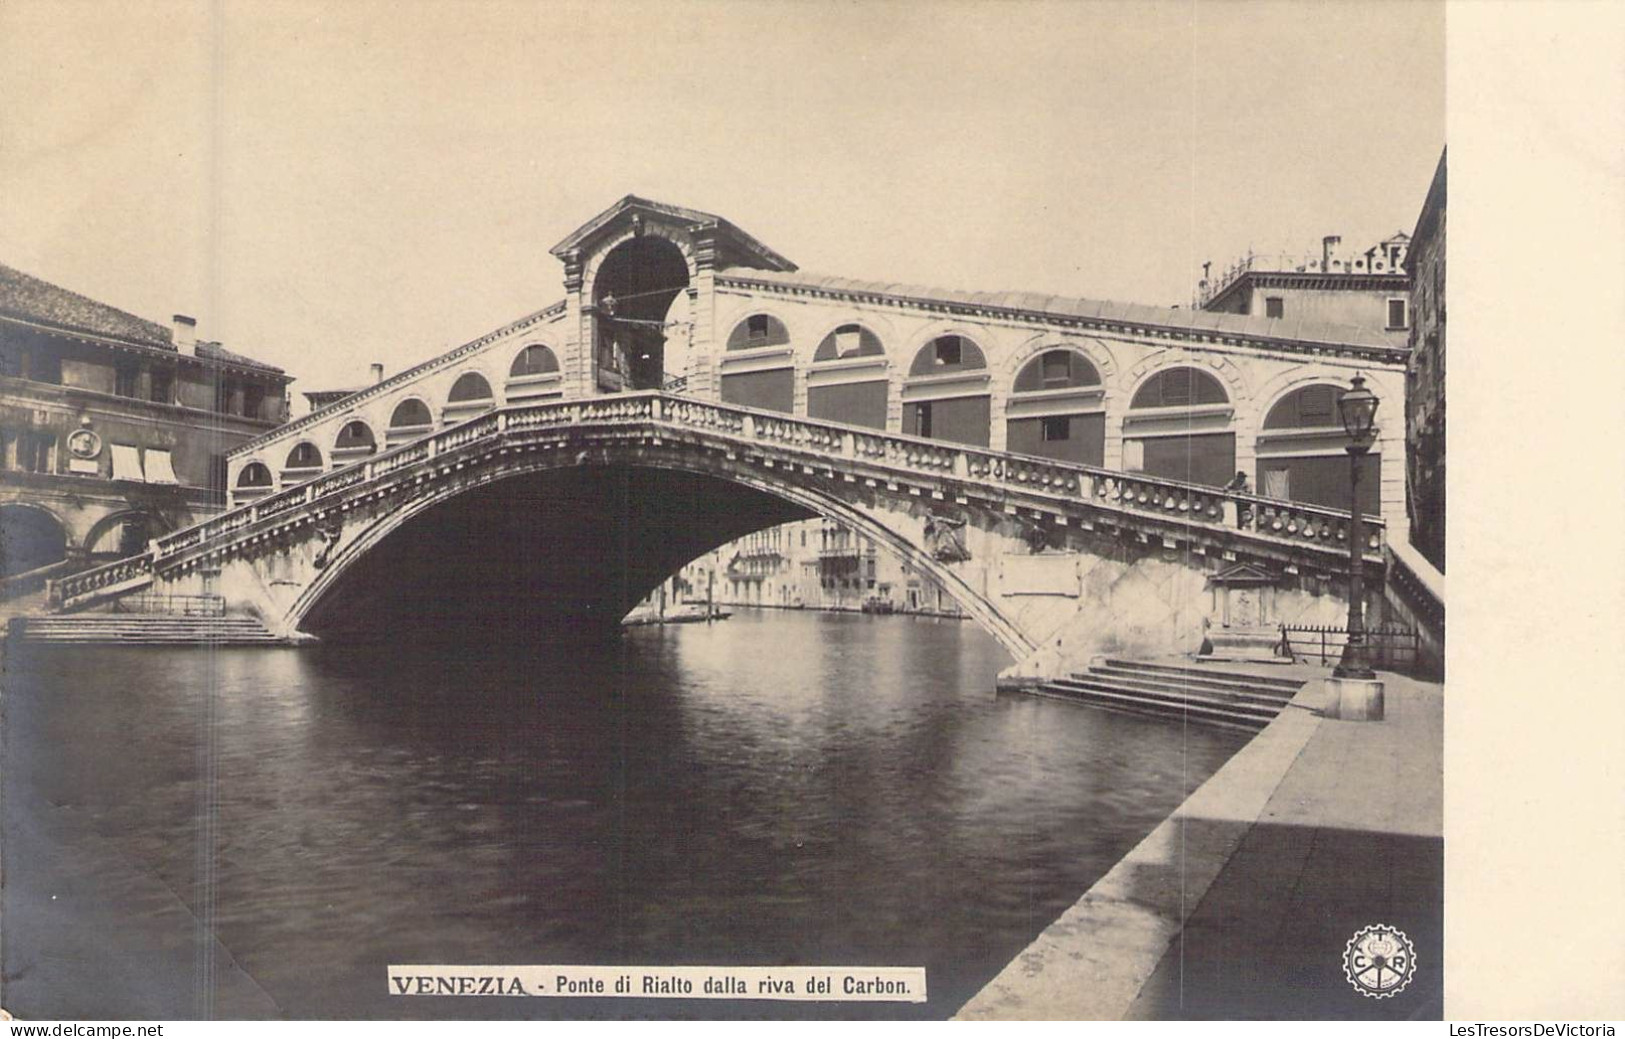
(1327, 244)
(186, 334)
(377, 373)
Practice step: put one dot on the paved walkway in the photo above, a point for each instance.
(1241, 903)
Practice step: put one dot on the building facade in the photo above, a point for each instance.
(658, 296)
(815, 564)
(1368, 290)
(113, 429)
(1424, 377)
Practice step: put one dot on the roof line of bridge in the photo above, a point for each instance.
(377, 388)
(1100, 315)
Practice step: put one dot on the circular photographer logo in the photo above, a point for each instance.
(1379, 961)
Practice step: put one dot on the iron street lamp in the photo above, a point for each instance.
(1358, 410)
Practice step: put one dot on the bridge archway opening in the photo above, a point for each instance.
(632, 294)
(30, 538)
(544, 556)
(555, 553)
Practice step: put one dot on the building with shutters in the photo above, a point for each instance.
(112, 428)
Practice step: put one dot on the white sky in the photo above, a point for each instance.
(325, 184)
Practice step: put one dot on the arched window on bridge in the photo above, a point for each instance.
(758, 369)
(847, 381)
(1301, 454)
(947, 393)
(1178, 427)
(410, 420)
(304, 462)
(355, 441)
(33, 538)
(253, 481)
(534, 375)
(470, 395)
(1057, 409)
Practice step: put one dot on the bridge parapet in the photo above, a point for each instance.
(1064, 493)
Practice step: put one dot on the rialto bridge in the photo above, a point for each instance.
(1058, 465)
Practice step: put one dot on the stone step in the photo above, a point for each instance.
(1233, 692)
(1255, 681)
(1264, 712)
(1212, 679)
(142, 629)
(1138, 705)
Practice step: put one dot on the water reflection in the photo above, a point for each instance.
(778, 788)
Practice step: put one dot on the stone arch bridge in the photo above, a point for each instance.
(557, 516)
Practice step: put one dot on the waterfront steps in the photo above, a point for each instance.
(133, 629)
(1226, 699)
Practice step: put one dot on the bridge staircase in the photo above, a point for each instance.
(1231, 699)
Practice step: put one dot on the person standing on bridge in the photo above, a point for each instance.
(1239, 486)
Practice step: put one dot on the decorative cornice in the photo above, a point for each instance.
(395, 381)
(1395, 355)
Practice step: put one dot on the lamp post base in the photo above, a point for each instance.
(1354, 699)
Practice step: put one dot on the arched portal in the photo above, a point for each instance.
(30, 538)
(631, 294)
(123, 534)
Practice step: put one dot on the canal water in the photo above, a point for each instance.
(778, 788)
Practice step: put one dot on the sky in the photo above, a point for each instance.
(328, 184)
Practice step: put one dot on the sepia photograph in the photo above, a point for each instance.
(723, 510)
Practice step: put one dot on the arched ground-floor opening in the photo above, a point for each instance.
(30, 537)
(122, 535)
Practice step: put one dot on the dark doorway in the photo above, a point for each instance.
(632, 294)
(29, 539)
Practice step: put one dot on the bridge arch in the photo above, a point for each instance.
(796, 500)
(757, 367)
(304, 462)
(632, 283)
(410, 419)
(353, 440)
(1097, 352)
(1180, 425)
(1055, 406)
(948, 390)
(1299, 448)
(469, 395)
(534, 374)
(254, 480)
(849, 374)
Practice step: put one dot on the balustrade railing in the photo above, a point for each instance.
(1212, 507)
(106, 576)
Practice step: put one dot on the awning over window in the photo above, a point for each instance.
(127, 463)
(159, 469)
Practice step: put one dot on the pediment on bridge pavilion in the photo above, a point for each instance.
(1241, 575)
(729, 246)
